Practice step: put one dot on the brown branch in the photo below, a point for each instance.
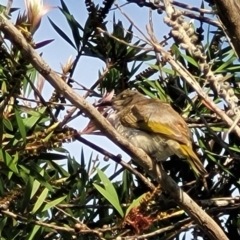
(191, 81)
(188, 14)
(69, 117)
(42, 100)
(221, 202)
(47, 103)
(118, 160)
(205, 222)
(228, 13)
(40, 223)
(49, 225)
(180, 226)
(8, 7)
(189, 7)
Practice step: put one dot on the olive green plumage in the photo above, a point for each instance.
(155, 127)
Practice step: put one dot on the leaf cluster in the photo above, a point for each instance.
(47, 193)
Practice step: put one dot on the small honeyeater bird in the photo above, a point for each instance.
(155, 127)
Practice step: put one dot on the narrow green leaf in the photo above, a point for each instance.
(40, 200)
(107, 184)
(21, 126)
(58, 168)
(39, 174)
(64, 7)
(73, 24)
(48, 136)
(83, 158)
(135, 68)
(110, 198)
(9, 161)
(143, 57)
(35, 186)
(29, 111)
(27, 193)
(234, 68)
(191, 60)
(164, 69)
(31, 121)
(89, 165)
(135, 203)
(148, 93)
(9, 175)
(161, 91)
(32, 74)
(24, 173)
(225, 64)
(7, 124)
(61, 150)
(61, 33)
(170, 71)
(3, 222)
(53, 203)
(235, 148)
(129, 34)
(109, 188)
(33, 232)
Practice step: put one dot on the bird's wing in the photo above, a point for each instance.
(156, 117)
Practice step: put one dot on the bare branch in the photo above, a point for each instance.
(228, 12)
(205, 222)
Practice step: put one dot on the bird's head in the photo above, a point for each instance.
(126, 98)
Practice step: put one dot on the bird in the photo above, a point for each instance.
(154, 126)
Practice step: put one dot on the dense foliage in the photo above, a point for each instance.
(42, 196)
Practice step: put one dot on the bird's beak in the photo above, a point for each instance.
(106, 100)
(104, 104)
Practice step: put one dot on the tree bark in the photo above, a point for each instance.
(205, 222)
(228, 12)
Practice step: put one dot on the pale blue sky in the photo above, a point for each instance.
(87, 70)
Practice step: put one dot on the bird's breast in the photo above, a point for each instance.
(153, 144)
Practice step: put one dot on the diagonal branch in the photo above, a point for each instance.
(192, 82)
(228, 14)
(205, 222)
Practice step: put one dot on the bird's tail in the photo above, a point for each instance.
(194, 161)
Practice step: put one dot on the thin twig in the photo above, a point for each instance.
(151, 167)
(189, 7)
(118, 160)
(40, 223)
(120, 40)
(130, 20)
(180, 224)
(70, 116)
(37, 101)
(8, 7)
(192, 81)
(42, 100)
